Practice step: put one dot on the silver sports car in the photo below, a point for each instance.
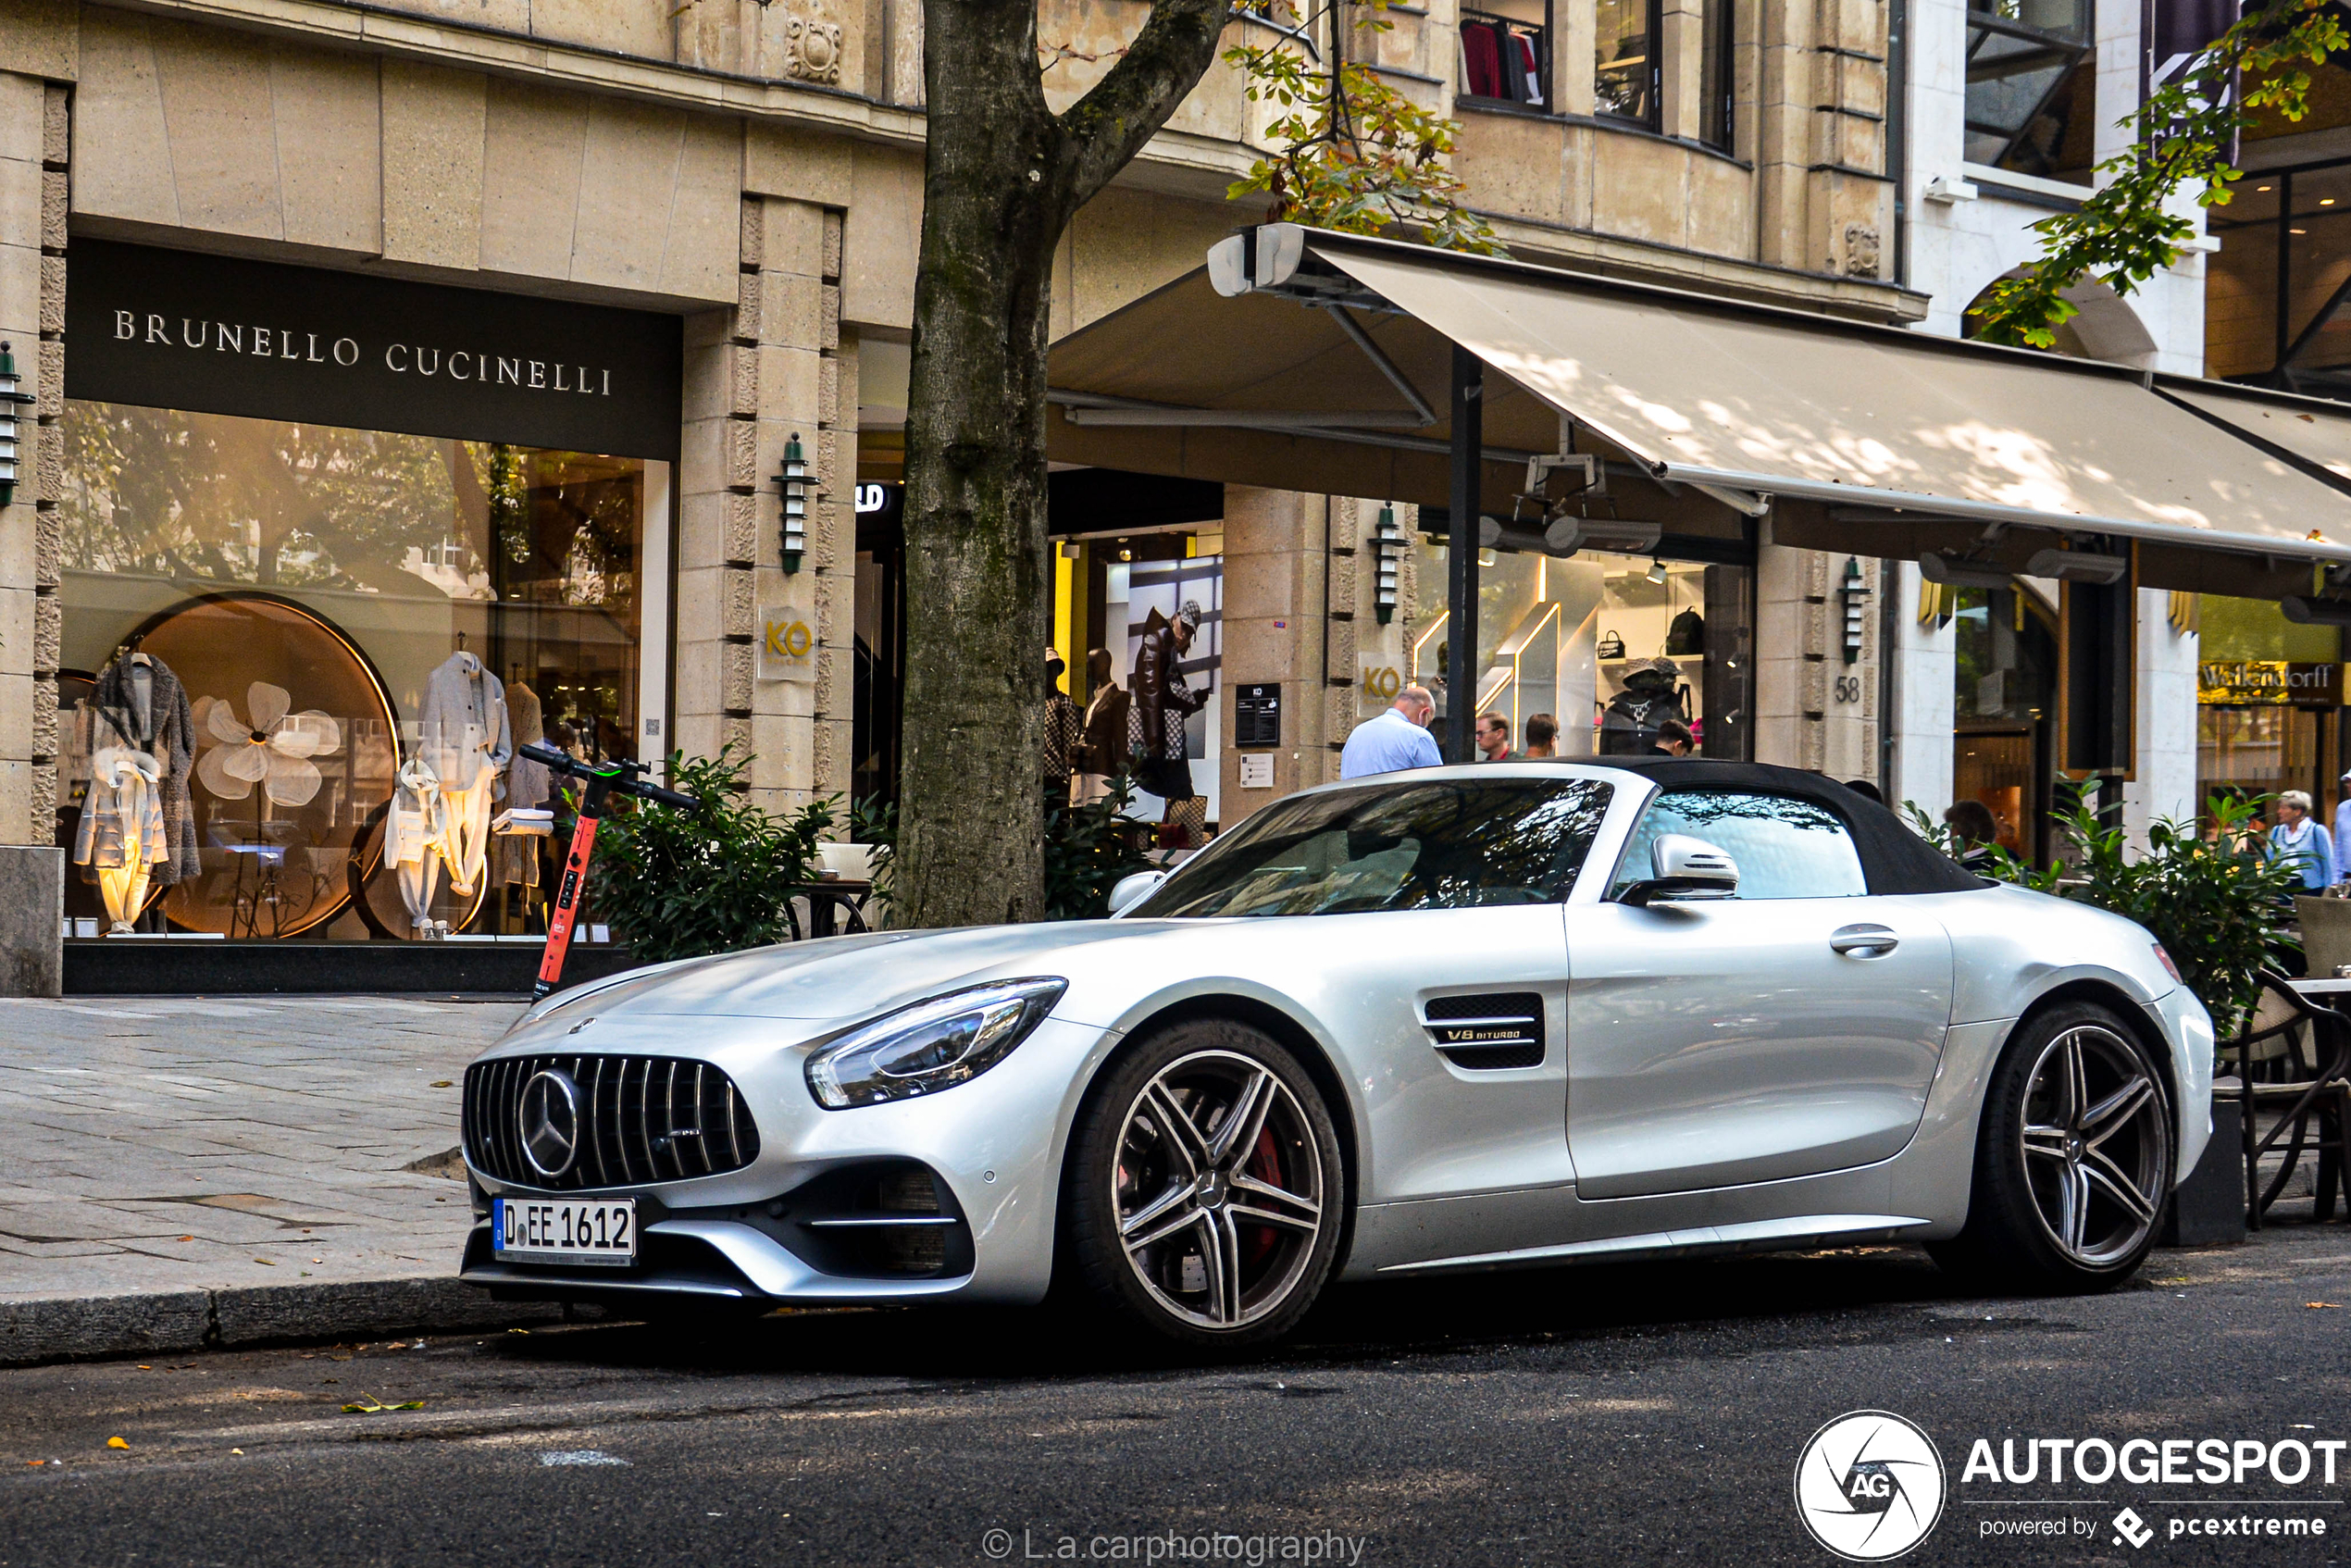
(1439, 1021)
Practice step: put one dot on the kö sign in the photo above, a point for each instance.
(215, 335)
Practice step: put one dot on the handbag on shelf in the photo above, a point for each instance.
(1610, 646)
(1687, 636)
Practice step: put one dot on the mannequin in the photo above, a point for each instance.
(120, 836)
(140, 706)
(466, 742)
(416, 840)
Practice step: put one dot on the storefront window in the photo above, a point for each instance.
(2032, 83)
(1607, 648)
(318, 595)
(2269, 703)
(2004, 703)
(1624, 82)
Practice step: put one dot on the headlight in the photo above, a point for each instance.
(932, 1045)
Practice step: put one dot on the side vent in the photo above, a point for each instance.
(1489, 1032)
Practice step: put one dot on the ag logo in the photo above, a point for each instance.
(1869, 1485)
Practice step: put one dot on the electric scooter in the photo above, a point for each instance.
(599, 781)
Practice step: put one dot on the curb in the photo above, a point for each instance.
(88, 1327)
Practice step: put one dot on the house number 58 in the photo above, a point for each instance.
(1849, 688)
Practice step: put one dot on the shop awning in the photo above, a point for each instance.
(1319, 361)
(2310, 432)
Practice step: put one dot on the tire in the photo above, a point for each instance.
(1207, 1231)
(2074, 1158)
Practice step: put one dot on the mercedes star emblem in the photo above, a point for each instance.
(550, 1121)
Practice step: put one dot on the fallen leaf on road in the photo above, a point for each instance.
(265, 1263)
(145, 1368)
(2316, 1306)
(117, 1443)
(440, 1083)
(236, 1450)
(370, 1405)
(187, 1239)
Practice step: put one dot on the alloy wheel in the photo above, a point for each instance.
(2097, 1145)
(1219, 1189)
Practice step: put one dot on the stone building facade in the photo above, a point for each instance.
(754, 172)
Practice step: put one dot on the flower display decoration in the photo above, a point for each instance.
(274, 751)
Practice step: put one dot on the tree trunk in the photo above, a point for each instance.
(1001, 178)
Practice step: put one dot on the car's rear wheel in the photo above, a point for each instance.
(2075, 1157)
(1206, 1187)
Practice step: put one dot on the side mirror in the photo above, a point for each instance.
(1683, 868)
(1132, 891)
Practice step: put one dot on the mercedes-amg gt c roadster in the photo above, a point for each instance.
(1431, 1023)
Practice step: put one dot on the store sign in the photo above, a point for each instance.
(217, 335)
(1377, 681)
(2269, 682)
(1257, 716)
(787, 645)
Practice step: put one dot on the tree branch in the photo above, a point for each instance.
(1105, 129)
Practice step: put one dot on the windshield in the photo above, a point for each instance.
(1453, 844)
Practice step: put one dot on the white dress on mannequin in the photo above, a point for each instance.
(468, 741)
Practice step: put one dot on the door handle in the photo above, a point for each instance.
(1871, 941)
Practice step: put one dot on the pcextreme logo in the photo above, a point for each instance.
(1869, 1485)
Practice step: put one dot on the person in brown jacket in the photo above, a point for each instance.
(1104, 750)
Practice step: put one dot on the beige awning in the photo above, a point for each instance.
(2309, 430)
(1277, 386)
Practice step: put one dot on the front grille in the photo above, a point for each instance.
(642, 1119)
(1489, 1032)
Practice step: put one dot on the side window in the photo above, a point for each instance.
(1786, 848)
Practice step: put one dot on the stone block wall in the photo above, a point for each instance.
(34, 136)
(1813, 710)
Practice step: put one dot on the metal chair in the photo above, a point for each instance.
(2294, 1055)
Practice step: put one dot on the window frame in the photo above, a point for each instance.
(1654, 120)
(1546, 70)
(1720, 45)
(1620, 880)
(1979, 25)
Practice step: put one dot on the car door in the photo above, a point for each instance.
(1790, 1030)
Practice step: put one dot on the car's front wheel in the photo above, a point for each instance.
(2074, 1159)
(1206, 1187)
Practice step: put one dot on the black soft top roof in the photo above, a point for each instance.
(1894, 858)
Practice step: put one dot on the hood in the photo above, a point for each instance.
(841, 978)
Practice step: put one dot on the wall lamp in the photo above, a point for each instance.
(793, 482)
(1387, 544)
(1854, 590)
(10, 398)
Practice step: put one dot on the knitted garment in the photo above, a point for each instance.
(163, 728)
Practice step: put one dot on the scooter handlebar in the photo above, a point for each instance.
(618, 773)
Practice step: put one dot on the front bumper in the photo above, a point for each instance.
(798, 1223)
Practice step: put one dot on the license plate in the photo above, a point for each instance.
(547, 1231)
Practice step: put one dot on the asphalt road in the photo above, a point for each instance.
(1617, 1415)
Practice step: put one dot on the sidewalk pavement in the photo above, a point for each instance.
(184, 1171)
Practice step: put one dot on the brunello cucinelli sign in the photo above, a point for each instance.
(219, 335)
(2269, 684)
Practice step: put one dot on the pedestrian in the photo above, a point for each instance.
(1975, 830)
(1674, 739)
(1493, 736)
(2301, 842)
(2342, 831)
(1542, 736)
(1398, 738)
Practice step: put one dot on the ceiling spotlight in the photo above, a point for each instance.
(1953, 572)
(2317, 612)
(1657, 570)
(2078, 565)
(2261, 187)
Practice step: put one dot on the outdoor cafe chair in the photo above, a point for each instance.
(2293, 1054)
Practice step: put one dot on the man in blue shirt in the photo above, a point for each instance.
(1397, 739)
(2342, 827)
